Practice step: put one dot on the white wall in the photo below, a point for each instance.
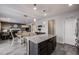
(60, 27)
(59, 30)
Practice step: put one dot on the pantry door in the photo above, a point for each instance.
(70, 26)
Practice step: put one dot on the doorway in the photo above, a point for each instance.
(70, 26)
(51, 24)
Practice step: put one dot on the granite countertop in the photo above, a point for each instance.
(39, 38)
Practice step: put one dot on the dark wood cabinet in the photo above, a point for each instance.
(51, 45)
(43, 48)
(0, 35)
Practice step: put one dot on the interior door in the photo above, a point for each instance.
(70, 26)
(51, 24)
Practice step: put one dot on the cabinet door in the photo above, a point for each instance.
(43, 48)
(51, 45)
(54, 42)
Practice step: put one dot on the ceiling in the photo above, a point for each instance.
(16, 12)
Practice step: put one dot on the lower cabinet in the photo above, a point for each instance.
(0, 35)
(44, 48)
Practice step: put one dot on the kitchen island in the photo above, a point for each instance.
(41, 44)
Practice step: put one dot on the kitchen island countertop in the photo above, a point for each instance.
(40, 38)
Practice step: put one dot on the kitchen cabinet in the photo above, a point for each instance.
(0, 30)
(0, 26)
(43, 48)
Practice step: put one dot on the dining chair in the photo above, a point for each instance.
(13, 38)
(17, 38)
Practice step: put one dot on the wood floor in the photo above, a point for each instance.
(18, 49)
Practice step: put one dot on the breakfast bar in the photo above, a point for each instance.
(41, 44)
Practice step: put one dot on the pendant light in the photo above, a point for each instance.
(34, 19)
(35, 8)
(45, 14)
(70, 5)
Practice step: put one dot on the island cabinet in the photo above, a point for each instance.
(0, 30)
(43, 48)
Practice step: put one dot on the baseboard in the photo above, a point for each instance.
(69, 44)
(66, 44)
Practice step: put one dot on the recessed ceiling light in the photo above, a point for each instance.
(69, 4)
